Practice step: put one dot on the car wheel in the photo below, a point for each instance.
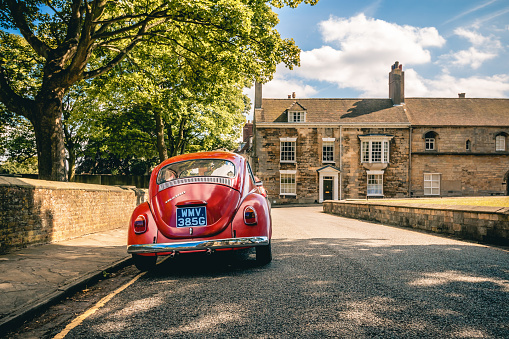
(144, 263)
(263, 254)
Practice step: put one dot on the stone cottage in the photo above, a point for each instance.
(311, 150)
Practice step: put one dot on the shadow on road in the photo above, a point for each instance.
(320, 288)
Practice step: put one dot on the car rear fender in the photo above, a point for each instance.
(263, 226)
(148, 237)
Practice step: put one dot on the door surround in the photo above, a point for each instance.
(328, 171)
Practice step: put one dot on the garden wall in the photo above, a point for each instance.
(484, 224)
(38, 211)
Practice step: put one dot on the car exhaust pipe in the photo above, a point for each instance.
(174, 254)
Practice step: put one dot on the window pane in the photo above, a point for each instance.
(194, 168)
(500, 143)
(287, 184)
(375, 184)
(287, 151)
(432, 184)
(328, 151)
(430, 144)
(386, 151)
(376, 151)
(365, 151)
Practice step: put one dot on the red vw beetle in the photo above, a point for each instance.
(201, 202)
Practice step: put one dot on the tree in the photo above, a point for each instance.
(82, 39)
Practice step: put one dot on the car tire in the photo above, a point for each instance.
(144, 263)
(263, 254)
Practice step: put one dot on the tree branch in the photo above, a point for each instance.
(113, 62)
(14, 102)
(40, 47)
(73, 26)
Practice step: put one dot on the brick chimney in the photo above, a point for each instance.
(258, 95)
(397, 84)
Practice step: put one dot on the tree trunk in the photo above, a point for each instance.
(72, 165)
(49, 135)
(161, 146)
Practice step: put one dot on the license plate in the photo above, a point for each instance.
(192, 216)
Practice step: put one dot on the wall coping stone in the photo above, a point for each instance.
(414, 205)
(59, 185)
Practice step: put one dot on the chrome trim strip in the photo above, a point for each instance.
(192, 180)
(198, 245)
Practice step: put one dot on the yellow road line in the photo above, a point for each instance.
(77, 321)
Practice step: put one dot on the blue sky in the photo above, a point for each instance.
(446, 47)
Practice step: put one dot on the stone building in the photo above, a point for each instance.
(311, 150)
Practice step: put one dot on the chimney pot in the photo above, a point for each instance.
(461, 95)
(289, 96)
(293, 95)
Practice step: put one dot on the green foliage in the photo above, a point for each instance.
(12, 167)
(176, 65)
(17, 142)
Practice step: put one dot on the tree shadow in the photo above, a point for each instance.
(320, 288)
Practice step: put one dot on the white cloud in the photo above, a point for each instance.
(483, 48)
(448, 86)
(365, 49)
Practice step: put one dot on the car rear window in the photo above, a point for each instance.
(196, 168)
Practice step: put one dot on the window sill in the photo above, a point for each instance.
(288, 162)
(328, 162)
(289, 194)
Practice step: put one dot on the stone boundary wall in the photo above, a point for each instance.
(484, 224)
(38, 211)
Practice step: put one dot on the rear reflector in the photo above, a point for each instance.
(140, 225)
(250, 216)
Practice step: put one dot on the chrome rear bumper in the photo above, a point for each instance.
(198, 245)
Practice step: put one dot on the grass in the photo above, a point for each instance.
(464, 201)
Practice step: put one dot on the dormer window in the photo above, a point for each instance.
(296, 116)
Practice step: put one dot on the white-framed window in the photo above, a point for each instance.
(287, 182)
(375, 183)
(287, 149)
(297, 116)
(430, 141)
(431, 183)
(328, 150)
(500, 143)
(375, 151)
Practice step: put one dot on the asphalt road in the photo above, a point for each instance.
(330, 277)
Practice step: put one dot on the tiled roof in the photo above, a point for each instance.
(333, 110)
(417, 111)
(457, 112)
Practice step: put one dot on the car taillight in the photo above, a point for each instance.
(250, 216)
(140, 225)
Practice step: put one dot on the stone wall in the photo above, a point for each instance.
(309, 159)
(485, 224)
(38, 211)
(479, 171)
(395, 179)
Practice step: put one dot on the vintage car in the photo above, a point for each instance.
(201, 202)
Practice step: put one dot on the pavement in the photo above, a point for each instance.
(37, 276)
